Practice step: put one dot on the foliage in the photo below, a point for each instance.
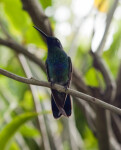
(17, 98)
(10, 129)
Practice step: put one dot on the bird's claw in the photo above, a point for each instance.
(66, 87)
(51, 84)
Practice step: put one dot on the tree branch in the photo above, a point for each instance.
(21, 49)
(37, 15)
(102, 125)
(77, 79)
(99, 62)
(116, 124)
(88, 112)
(118, 91)
(4, 30)
(100, 65)
(108, 22)
(60, 88)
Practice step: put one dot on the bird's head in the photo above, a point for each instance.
(51, 41)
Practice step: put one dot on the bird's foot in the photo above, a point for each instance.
(52, 84)
(66, 87)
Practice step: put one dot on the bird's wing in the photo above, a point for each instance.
(47, 71)
(70, 71)
(58, 97)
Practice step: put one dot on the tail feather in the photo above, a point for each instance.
(55, 110)
(58, 111)
(59, 98)
(67, 106)
(62, 111)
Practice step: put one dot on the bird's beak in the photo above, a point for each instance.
(41, 32)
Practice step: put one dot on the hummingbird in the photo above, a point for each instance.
(59, 71)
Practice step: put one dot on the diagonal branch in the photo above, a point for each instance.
(60, 88)
(21, 49)
(100, 65)
(77, 79)
(108, 22)
(37, 15)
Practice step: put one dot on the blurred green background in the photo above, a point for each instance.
(73, 22)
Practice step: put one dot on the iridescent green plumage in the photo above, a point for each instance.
(59, 70)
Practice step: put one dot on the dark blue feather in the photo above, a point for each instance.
(55, 109)
(67, 106)
(59, 70)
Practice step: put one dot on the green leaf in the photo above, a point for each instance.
(91, 78)
(10, 129)
(90, 140)
(28, 131)
(46, 3)
(15, 15)
(14, 146)
(27, 102)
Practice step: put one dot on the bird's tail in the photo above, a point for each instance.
(66, 110)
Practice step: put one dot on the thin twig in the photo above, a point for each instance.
(60, 88)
